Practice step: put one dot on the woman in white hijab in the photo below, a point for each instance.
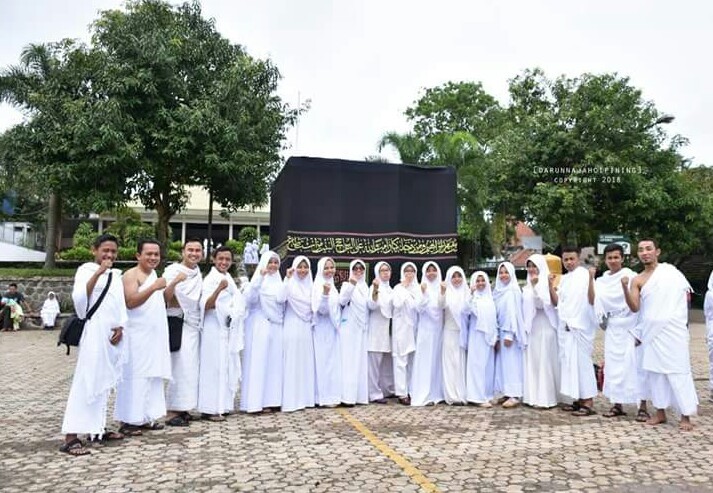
(298, 371)
(482, 336)
(708, 312)
(353, 335)
(50, 310)
(381, 309)
(326, 317)
(508, 357)
(427, 377)
(407, 299)
(541, 356)
(265, 296)
(455, 297)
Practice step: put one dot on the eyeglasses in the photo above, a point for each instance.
(358, 267)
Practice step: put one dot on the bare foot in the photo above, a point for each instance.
(657, 419)
(685, 424)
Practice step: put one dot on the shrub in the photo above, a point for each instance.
(265, 240)
(236, 246)
(77, 253)
(84, 236)
(176, 246)
(248, 233)
(126, 253)
(173, 256)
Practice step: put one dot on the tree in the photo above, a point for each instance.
(66, 141)
(200, 109)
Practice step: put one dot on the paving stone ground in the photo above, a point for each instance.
(454, 448)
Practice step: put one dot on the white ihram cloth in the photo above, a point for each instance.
(457, 307)
(482, 335)
(427, 374)
(140, 397)
(222, 340)
(353, 338)
(50, 310)
(327, 356)
(182, 391)
(379, 344)
(99, 364)
(577, 329)
(262, 381)
(298, 390)
(663, 329)
(541, 356)
(622, 384)
(708, 312)
(508, 360)
(406, 301)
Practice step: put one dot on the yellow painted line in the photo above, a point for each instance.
(411, 471)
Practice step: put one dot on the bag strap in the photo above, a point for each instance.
(101, 298)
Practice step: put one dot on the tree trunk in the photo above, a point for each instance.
(164, 216)
(54, 218)
(210, 226)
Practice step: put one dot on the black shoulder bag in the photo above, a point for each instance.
(71, 332)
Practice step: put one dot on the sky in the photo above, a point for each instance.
(362, 63)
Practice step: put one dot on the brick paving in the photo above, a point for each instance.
(455, 448)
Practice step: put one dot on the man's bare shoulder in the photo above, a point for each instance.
(131, 274)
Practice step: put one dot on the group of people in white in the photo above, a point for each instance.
(299, 342)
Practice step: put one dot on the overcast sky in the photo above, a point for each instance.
(362, 63)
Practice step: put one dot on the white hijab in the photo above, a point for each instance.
(433, 289)
(299, 291)
(360, 295)
(486, 319)
(508, 302)
(51, 305)
(385, 292)
(318, 290)
(271, 287)
(543, 293)
(456, 297)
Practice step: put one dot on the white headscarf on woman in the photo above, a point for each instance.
(360, 296)
(385, 292)
(299, 291)
(270, 287)
(318, 291)
(508, 302)
(456, 297)
(541, 290)
(433, 289)
(484, 308)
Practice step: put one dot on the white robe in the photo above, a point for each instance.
(663, 329)
(49, 312)
(708, 312)
(577, 329)
(298, 381)
(327, 351)
(541, 359)
(99, 363)
(403, 340)
(182, 391)
(379, 342)
(263, 359)
(622, 376)
(353, 337)
(480, 363)
(222, 339)
(509, 360)
(427, 373)
(140, 397)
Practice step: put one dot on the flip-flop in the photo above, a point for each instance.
(75, 448)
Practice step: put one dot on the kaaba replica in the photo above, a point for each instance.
(372, 211)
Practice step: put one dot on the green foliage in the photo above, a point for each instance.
(247, 234)
(84, 236)
(129, 228)
(77, 253)
(236, 246)
(265, 240)
(176, 246)
(126, 253)
(173, 255)
(22, 272)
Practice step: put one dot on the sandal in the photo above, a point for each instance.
(584, 411)
(614, 412)
(177, 421)
(216, 418)
(152, 426)
(642, 416)
(406, 401)
(568, 408)
(75, 448)
(187, 416)
(130, 431)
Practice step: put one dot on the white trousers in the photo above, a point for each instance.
(403, 364)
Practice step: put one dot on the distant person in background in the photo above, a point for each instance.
(13, 303)
(50, 310)
(708, 311)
